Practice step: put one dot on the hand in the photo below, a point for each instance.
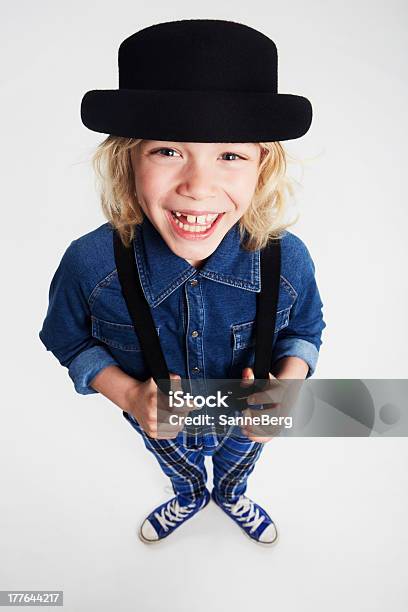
(248, 430)
(279, 395)
(151, 409)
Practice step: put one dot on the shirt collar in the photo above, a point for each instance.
(161, 271)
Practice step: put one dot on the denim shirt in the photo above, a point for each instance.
(204, 317)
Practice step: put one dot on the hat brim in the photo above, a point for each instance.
(197, 116)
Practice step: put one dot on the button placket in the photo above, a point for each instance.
(195, 324)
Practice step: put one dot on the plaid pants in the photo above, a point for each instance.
(182, 460)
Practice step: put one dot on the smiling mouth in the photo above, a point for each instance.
(194, 223)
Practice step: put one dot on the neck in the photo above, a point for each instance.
(196, 263)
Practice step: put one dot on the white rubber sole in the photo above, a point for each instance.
(258, 541)
(146, 541)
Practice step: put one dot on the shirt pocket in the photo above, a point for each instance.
(119, 336)
(243, 342)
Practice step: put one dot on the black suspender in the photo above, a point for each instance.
(139, 310)
(267, 305)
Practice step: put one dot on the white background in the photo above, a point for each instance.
(76, 480)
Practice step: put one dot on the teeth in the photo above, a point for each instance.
(201, 219)
(192, 228)
(204, 221)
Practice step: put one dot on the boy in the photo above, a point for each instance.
(196, 222)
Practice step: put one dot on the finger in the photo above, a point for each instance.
(248, 433)
(166, 435)
(246, 430)
(175, 380)
(163, 399)
(271, 395)
(166, 427)
(186, 408)
(259, 430)
(253, 400)
(253, 430)
(246, 427)
(168, 418)
(261, 440)
(254, 438)
(247, 377)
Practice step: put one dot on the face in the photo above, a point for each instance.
(193, 193)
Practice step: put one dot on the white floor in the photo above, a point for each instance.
(76, 481)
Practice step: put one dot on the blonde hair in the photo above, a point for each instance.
(263, 220)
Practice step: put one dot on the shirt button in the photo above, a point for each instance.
(194, 282)
(194, 334)
(196, 370)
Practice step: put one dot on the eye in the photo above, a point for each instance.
(172, 151)
(236, 155)
(164, 149)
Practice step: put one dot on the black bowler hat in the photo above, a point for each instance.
(198, 80)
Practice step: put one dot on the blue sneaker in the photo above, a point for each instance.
(253, 520)
(165, 519)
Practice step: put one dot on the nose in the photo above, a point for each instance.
(197, 182)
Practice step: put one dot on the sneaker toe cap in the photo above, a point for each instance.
(269, 534)
(148, 531)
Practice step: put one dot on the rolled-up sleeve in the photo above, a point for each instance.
(66, 329)
(302, 336)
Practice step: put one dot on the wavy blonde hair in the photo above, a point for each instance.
(263, 220)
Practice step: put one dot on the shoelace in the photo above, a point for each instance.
(172, 513)
(243, 506)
